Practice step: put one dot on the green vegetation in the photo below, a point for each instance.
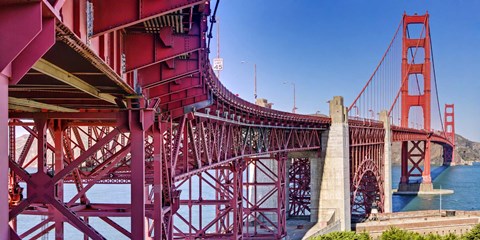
(343, 236)
(399, 234)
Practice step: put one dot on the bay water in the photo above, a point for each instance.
(464, 180)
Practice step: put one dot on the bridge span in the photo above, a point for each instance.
(123, 92)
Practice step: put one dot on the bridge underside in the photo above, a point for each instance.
(110, 92)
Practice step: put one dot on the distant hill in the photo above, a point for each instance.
(20, 143)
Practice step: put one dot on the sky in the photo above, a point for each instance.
(330, 48)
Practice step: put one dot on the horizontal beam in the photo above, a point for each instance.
(240, 123)
(22, 108)
(98, 116)
(34, 104)
(174, 87)
(58, 73)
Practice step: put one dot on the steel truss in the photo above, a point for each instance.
(219, 152)
(265, 207)
(85, 154)
(366, 169)
(299, 187)
(415, 162)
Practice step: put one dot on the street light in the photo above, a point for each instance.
(294, 100)
(372, 114)
(356, 111)
(254, 78)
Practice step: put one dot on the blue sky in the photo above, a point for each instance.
(331, 48)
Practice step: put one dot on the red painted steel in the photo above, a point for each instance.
(366, 169)
(449, 121)
(416, 153)
(299, 193)
(261, 219)
(4, 143)
(174, 128)
(410, 68)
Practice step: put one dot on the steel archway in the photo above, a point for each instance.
(367, 189)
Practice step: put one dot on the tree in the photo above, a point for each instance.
(473, 234)
(343, 236)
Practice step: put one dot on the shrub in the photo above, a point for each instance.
(399, 234)
(343, 236)
(473, 234)
(451, 236)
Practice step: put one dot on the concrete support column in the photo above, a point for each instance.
(387, 158)
(330, 174)
(316, 174)
(335, 182)
(4, 227)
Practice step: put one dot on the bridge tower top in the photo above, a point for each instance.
(414, 68)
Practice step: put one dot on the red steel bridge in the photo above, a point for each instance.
(122, 92)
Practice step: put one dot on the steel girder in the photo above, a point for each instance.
(111, 15)
(203, 141)
(366, 169)
(406, 134)
(146, 49)
(25, 39)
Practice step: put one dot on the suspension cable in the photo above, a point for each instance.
(435, 80)
(408, 70)
(376, 69)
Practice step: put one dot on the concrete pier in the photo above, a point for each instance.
(387, 157)
(330, 174)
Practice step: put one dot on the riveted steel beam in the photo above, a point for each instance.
(60, 74)
(34, 104)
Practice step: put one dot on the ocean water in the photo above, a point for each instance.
(464, 180)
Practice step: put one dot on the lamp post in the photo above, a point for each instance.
(294, 97)
(356, 112)
(372, 114)
(254, 79)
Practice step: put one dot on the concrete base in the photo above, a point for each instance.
(423, 222)
(419, 189)
(432, 192)
(415, 187)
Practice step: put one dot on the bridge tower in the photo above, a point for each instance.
(449, 122)
(416, 152)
